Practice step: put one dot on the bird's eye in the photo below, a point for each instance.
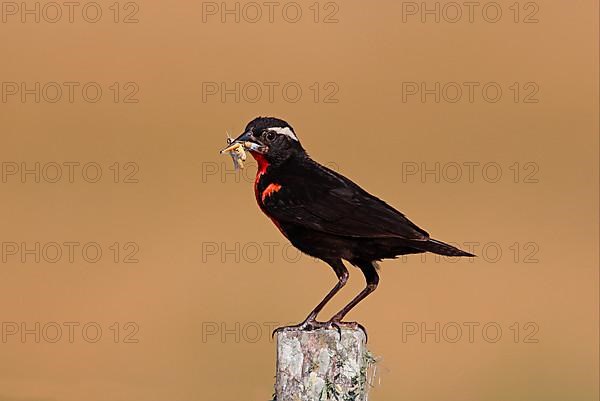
(270, 135)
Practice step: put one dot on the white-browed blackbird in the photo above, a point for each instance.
(326, 215)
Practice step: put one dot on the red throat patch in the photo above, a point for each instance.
(262, 164)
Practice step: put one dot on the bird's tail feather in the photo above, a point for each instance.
(442, 248)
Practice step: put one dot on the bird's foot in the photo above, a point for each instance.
(349, 325)
(309, 325)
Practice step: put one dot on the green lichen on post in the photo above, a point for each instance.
(318, 365)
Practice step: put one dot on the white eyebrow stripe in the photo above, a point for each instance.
(284, 131)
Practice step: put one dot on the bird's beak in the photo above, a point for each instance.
(248, 141)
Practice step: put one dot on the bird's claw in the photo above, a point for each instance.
(351, 325)
(310, 325)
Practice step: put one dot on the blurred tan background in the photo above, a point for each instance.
(189, 317)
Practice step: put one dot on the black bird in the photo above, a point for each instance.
(327, 216)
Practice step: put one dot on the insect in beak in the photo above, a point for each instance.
(237, 148)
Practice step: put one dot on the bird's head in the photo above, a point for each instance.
(270, 138)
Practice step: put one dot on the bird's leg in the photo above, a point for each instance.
(372, 278)
(311, 323)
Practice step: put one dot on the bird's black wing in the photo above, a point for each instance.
(323, 200)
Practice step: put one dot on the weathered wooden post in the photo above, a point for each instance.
(318, 365)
